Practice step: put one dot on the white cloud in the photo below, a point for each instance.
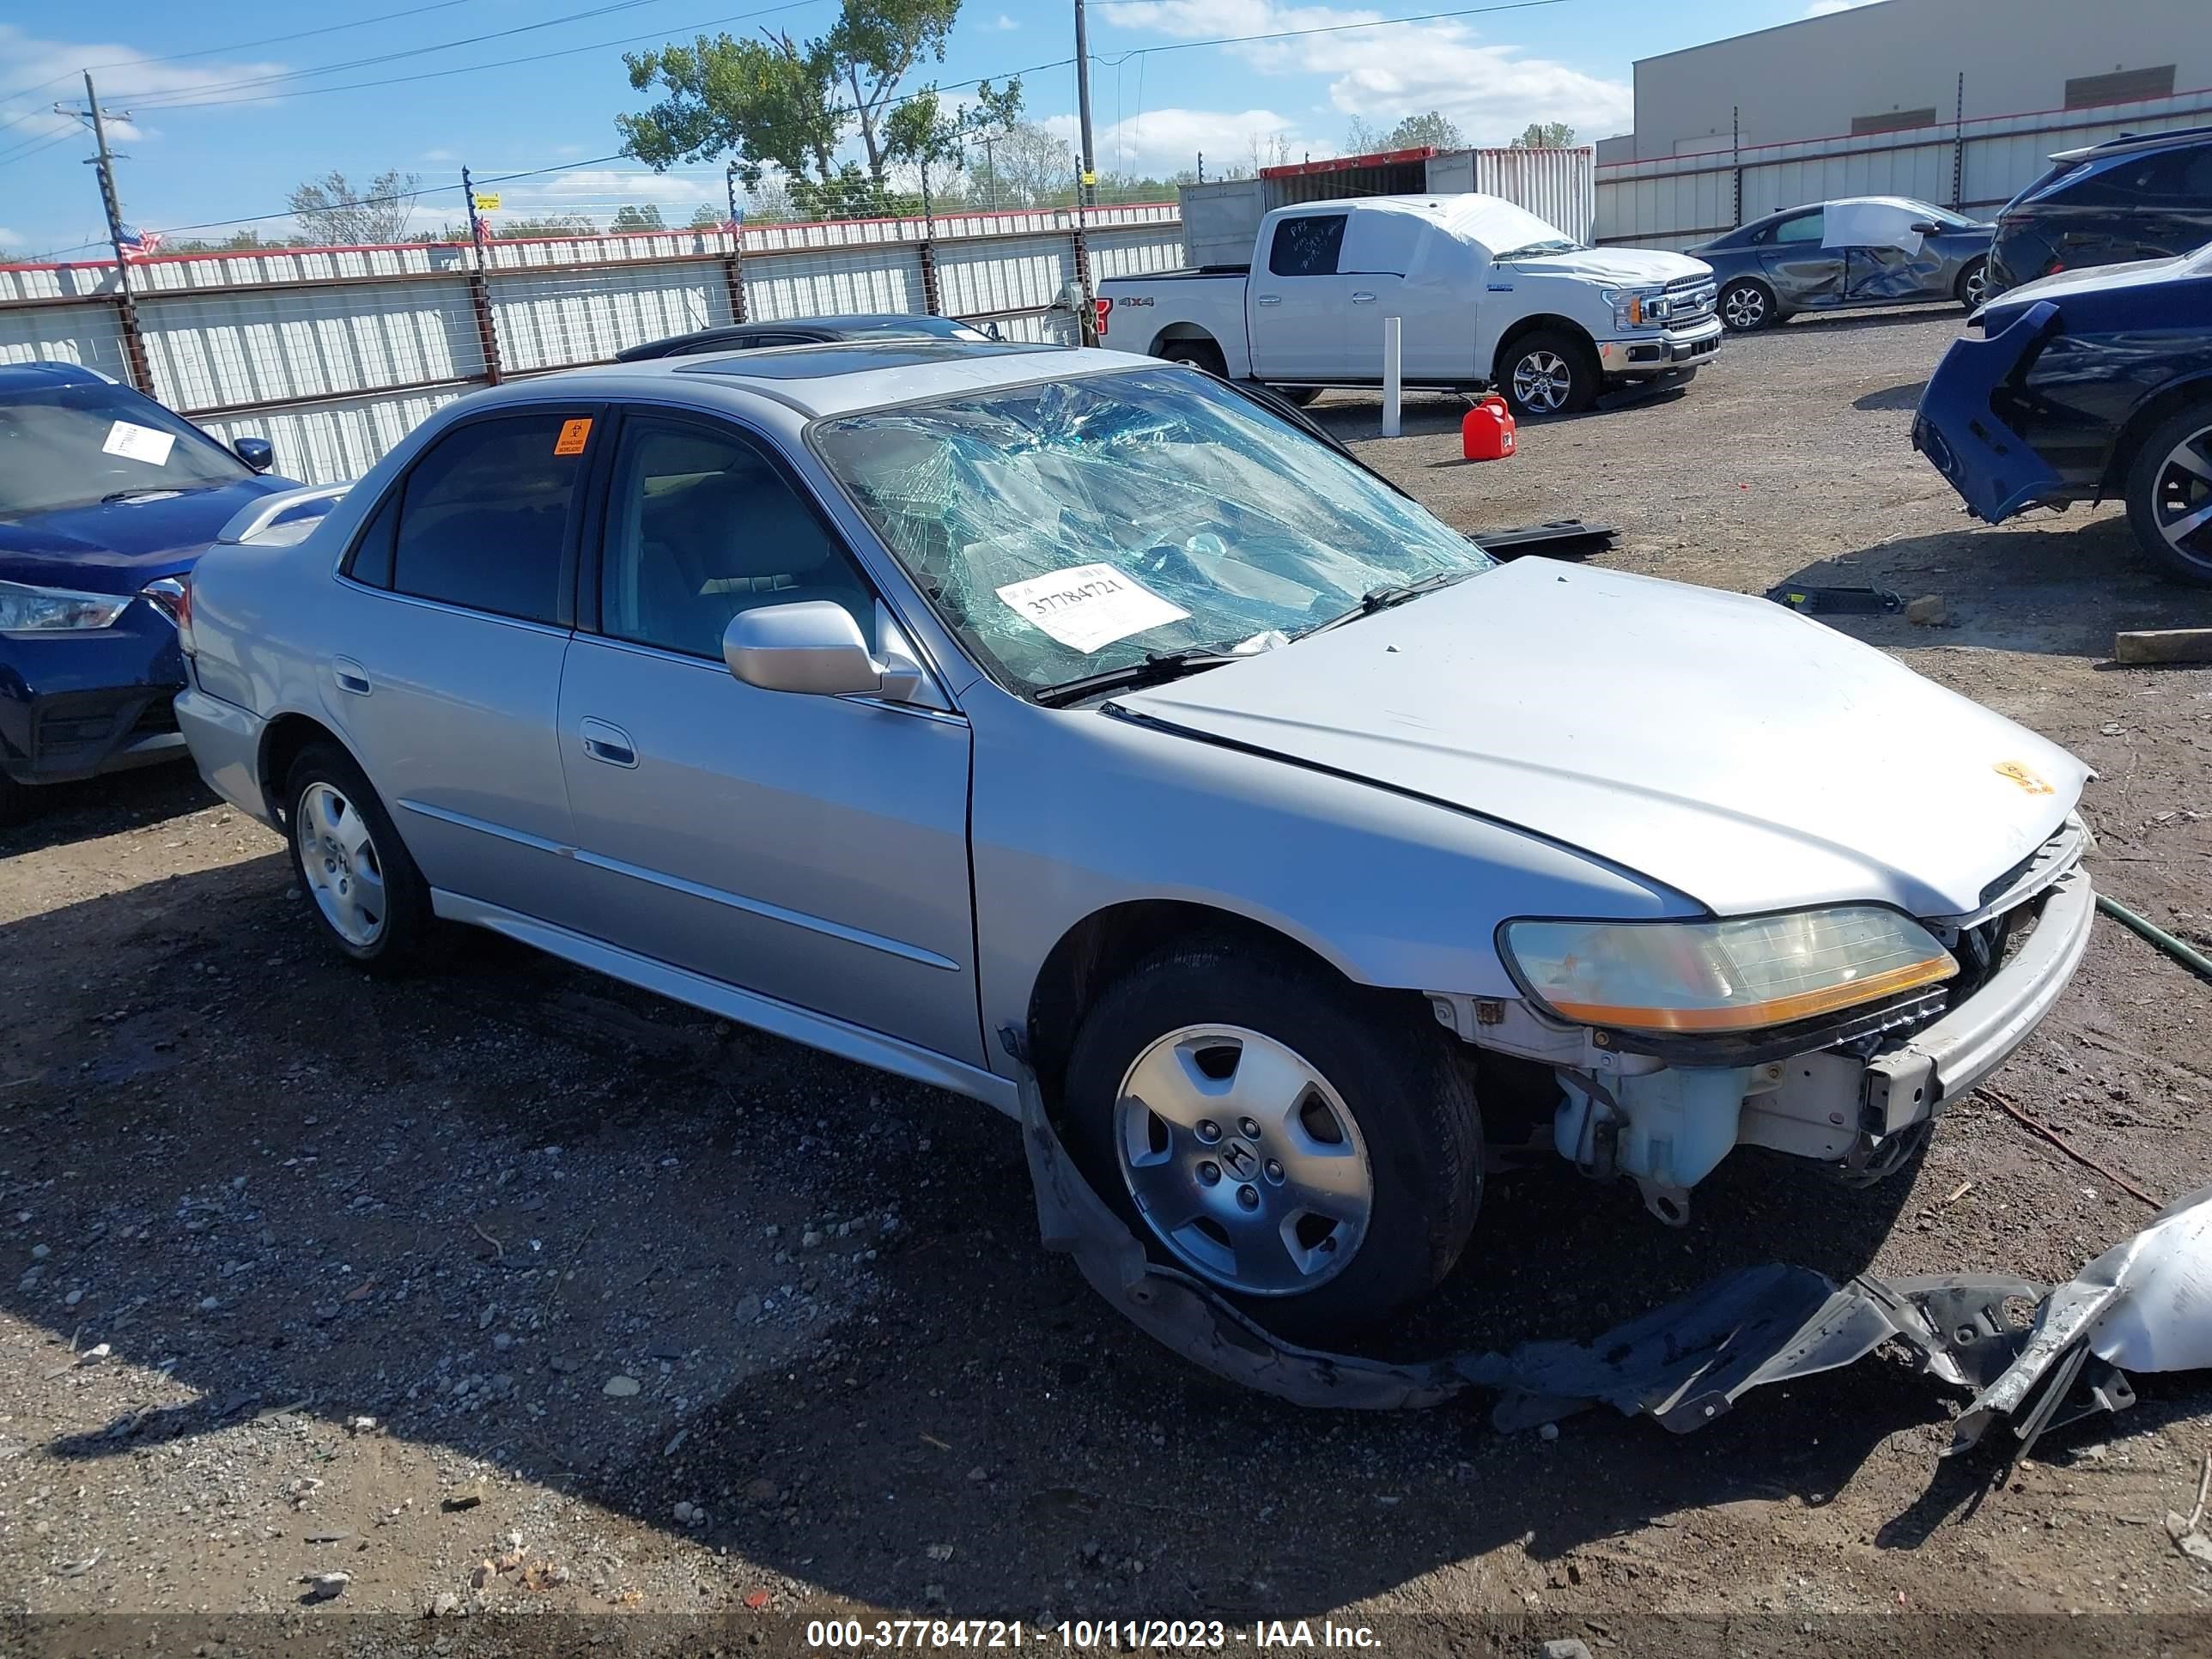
(1002, 23)
(1491, 89)
(1163, 142)
(52, 71)
(596, 192)
(439, 155)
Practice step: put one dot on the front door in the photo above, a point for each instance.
(451, 621)
(1807, 276)
(1296, 305)
(813, 849)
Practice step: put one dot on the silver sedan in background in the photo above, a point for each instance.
(1776, 267)
(976, 711)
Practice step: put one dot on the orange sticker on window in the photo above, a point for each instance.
(573, 435)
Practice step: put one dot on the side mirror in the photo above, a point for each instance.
(256, 453)
(1927, 228)
(812, 647)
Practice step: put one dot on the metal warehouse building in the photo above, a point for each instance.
(1956, 101)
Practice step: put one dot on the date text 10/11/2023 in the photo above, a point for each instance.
(1085, 1635)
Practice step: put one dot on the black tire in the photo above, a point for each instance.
(2158, 494)
(1408, 1095)
(1199, 354)
(1973, 288)
(18, 801)
(1539, 359)
(1747, 306)
(1298, 397)
(405, 921)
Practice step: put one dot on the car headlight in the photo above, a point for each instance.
(28, 610)
(1638, 308)
(1737, 974)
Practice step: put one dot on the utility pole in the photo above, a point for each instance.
(733, 277)
(990, 172)
(480, 286)
(126, 304)
(1085, 178)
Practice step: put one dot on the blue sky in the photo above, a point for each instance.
(207, 141)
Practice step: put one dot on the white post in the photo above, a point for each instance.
(1390, 332)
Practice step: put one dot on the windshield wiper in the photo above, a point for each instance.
(1382, 599)
(136, 490)
(1157, 668)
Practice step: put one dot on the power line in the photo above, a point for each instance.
(183, 97)
(1321, 28)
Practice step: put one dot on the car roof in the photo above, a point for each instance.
(2130, 143)
(28, 377)
(830, 378)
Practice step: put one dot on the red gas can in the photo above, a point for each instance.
(1486, 433)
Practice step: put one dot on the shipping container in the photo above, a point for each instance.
(1220, 219)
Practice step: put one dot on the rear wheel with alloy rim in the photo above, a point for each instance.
(1974, 284)
(368, 896)
(1746, 307)
(2169, 492)
(1308, 1147)
(1546, 373)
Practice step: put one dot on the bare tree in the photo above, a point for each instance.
(330, 210)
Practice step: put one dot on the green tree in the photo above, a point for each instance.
(923, 131)
(1545, 135)
(777, 102)
(330, 210)
(706, 216)
(1435, 131)
(552, 224)
(638, 218)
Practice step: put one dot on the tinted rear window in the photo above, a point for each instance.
(485, 515)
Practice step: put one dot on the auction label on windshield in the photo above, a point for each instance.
(1089, 606)
(139, 443)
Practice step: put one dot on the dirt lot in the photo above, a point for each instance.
(513, 1293)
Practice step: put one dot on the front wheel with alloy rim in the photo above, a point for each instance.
(1974, 285)
(1745, 307)
(368, 897)
(2170, 494)
(1309, 1148)
(1547, 373)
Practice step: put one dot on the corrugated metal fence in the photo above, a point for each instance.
(1975, 166)
(334, 354)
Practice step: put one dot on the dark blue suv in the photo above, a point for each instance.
(106, 498)
(2144, 196)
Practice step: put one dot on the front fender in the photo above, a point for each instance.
(1997, 471)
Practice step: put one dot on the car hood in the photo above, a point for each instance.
(1614, 264)
(118, 547)
(1742, 755)
(2099, 279)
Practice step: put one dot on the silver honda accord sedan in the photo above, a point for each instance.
(974, 711)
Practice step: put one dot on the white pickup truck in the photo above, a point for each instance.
(1489, 295)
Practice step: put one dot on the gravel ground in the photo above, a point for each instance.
(553, 1314)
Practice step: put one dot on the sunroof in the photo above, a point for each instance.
(821, 362)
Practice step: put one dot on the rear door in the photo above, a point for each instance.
(1298, 300)
(453, 614)
(813, 849)
(1805, 274)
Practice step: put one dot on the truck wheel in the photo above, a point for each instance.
(369, 899)
(1199, 354)
(1548, 372)
(1974, 285)
(2170, 494)
(1747, 306)
(1292, 1141)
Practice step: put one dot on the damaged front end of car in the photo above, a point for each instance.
(1920, 1011)
(1962, 425)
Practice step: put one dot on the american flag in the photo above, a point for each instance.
(138, 242)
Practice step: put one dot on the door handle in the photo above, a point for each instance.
(1363, 298)
(1269, 300)
(350, 676)
(608, 743)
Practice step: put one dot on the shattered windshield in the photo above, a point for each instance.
(1070, 529)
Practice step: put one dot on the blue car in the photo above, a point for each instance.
(106, 499)
(2088, 385)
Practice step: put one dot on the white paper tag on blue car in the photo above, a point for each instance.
(140, 443)
(1089, 606)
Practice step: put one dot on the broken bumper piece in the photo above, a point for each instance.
(1996, 472)
(2147, 1303)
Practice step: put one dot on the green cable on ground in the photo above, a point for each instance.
(2157, 935)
